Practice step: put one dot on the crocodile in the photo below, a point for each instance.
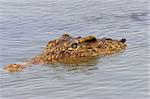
(66, 49)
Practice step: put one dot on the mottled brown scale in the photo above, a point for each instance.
(13, 67)
(67, 49)
(87, 39)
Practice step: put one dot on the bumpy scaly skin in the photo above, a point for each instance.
(67, 48)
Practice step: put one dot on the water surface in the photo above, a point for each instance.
(26, 26)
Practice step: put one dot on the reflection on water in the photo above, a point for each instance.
(24, 31)
(77, 64)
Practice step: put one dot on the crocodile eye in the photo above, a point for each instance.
(74, 46)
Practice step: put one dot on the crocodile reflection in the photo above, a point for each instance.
(79, 64)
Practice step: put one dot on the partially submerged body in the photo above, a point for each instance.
(66, 49)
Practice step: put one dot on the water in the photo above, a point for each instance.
(26, 26)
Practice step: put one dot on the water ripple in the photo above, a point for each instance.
(120, 76)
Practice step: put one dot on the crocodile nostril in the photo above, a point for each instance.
(123, 40)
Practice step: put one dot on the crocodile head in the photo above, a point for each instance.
(68, 49)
